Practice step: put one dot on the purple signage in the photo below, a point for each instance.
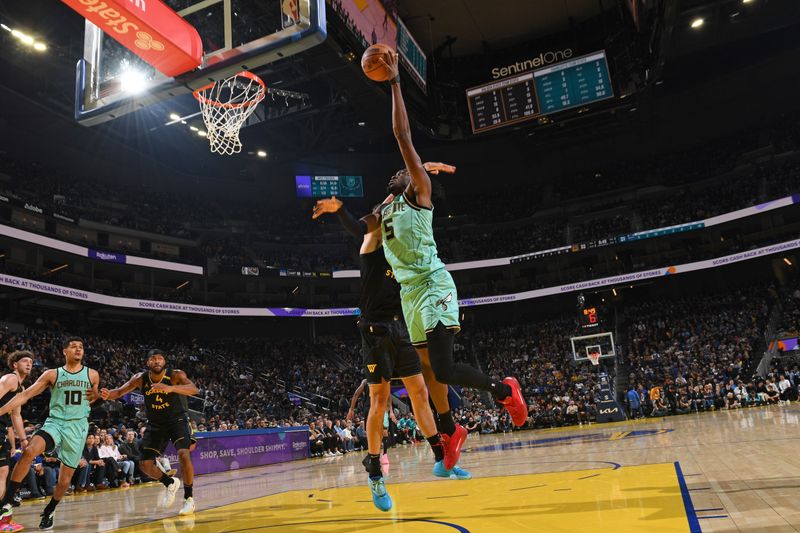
(222, 451)
(110, 257)
(302, 185)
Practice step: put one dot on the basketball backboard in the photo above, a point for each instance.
(237, 35)
(600, 343)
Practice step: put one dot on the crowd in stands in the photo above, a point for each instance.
(679, 354)
(697, 183)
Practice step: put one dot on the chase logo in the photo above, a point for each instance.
(145, 41)
(371, 368)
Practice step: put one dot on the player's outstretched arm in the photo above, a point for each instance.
(132, 384)
(420, 180)
(356, 227)
(181, 385)
(45, 380)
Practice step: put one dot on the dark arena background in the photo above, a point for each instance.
(621, 227)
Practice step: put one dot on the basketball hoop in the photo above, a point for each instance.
(225, 105)
(594, 357)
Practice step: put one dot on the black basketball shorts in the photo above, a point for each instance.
(387, 351)
(157, 436)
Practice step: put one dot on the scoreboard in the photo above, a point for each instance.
(562, 86)
(327, 186)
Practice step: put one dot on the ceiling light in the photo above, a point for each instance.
(193, 128)
(261, 153)
(786, 260)
(696, 23)
(747, 1)
(174, 116)
(362, 123)
(5, 27)
(40, 47)
(201, 133)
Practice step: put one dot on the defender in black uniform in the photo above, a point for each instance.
(165, 391)
(20, 362)
(388, 353)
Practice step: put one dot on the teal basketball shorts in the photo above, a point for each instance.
(69, 436)
(427, 301)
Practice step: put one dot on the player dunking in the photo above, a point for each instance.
(74, 387)
(387, 351)
(429, 298)
(165, 391)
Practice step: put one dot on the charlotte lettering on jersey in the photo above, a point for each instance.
(73, 383)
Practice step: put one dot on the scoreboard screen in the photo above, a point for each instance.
(565, 85)
(327, 186)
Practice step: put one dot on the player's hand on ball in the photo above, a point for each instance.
(326, 205)
(435, 168)
(390, 62)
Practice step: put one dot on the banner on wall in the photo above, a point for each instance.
(299, 312)
(223, 451)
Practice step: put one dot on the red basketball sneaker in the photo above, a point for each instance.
(452, 446)
(515, 404)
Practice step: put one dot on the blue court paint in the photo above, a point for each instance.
(713, 516)
(691, 515)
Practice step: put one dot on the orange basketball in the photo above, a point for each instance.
(371, 64)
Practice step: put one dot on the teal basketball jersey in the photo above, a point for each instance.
(408, 243)
(68, 398)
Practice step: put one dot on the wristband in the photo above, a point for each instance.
(395, 80)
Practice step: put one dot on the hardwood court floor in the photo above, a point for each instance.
(722, 471)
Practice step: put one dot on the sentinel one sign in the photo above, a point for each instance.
(544, 58)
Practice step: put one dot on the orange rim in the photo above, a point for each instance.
(245, 74)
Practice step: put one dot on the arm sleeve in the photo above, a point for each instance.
(355, 227)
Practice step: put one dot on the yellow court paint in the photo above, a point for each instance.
(634, 498)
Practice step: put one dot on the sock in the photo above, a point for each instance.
(446, 423)
(372, 463)
(437, 447)
(51, 506)
(11, 491)
(500, 390)
(166, 480)
(187, 491)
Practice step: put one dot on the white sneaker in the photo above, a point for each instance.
(338, 452)
(168, 497)
(188, 507)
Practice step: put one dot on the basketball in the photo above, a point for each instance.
(372, 65)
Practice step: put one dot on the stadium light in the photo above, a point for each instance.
(201, 133)
(39, 47)
(132, 81)
(174, 116)
(786, 260)
(696, 23)
(261, 153)
(193, 128)
(747, 1)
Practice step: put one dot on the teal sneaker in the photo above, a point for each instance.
(380, 497)
(455, 473)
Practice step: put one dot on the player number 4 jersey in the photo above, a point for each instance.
(408, 243)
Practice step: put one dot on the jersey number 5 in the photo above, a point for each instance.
(72, 397)
(388, 230)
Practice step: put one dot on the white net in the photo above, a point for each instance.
(594, 357)
(225, 106)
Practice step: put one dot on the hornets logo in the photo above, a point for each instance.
(444, 301)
